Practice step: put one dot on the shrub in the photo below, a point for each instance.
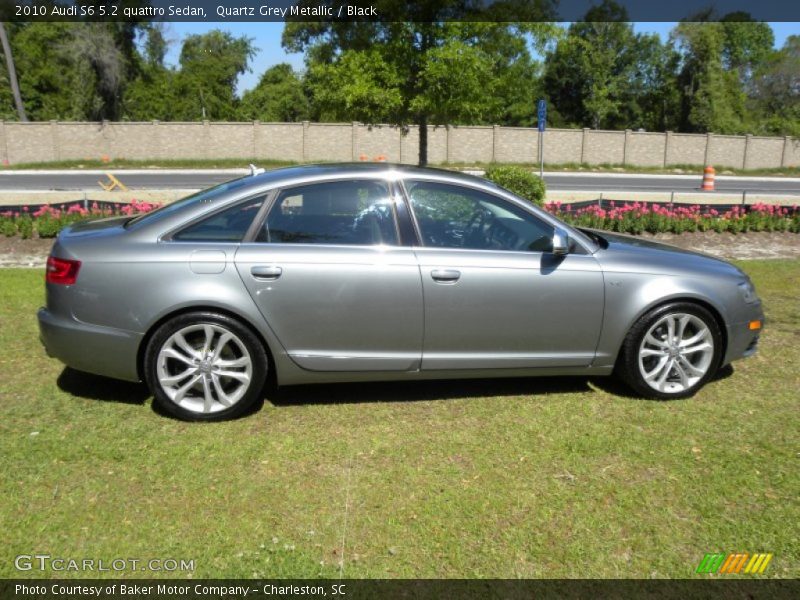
(519, 181)
(7, 227)
(25, 226)
(48, 226)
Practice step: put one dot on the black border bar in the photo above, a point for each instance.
(385, 10)
(416, 589)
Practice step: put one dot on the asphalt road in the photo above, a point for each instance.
(176, 179)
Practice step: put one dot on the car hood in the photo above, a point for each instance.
(635, 254)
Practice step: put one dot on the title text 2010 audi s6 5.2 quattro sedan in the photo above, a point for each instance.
(379, 272)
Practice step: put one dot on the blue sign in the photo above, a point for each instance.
(542, 114)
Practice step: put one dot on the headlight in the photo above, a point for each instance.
(748, 292)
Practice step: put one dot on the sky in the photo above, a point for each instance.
(267, 38)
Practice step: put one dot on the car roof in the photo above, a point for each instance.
(356, 169)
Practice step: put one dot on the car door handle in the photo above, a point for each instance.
(266, 272)
(445, 275)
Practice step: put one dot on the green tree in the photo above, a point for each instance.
(426, 72)
(74, 71)
(210, 65)
(712, 97)
(746, 44)
(11, 74)
(516, 90)
(103, 61)
(7, 110)
(155, 44)
(47, 73)
(601, 72)
(653, 99)
(152, 94)
(776, 91)
(279, 96)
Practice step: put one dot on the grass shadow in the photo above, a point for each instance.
(96, 387)
(612, 385)
(257, 406)
(417, 391)
(723, 373)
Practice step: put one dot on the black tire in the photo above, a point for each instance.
(628, 367)
(242, 346)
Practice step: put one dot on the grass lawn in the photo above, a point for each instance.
(521, 478)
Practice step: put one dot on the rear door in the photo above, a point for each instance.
(330, 276)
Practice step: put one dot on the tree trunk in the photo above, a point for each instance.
(12, 74)
(423, 140)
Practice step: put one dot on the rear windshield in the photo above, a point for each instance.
(201, 196)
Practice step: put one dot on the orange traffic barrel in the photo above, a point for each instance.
(708, 179)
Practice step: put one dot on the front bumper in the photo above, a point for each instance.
(91, 348)
(743, 341)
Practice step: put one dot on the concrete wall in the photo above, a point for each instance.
(515, 144)
(726, 151)
(645, 149)
(52, 141)
(763, 152)
(470, 144)
(278, 141)
(603, 147)
(562, 145)
(685, 149)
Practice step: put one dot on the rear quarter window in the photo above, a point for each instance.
(229, 225)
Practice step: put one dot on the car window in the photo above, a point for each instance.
(229, 225)
(337, 212)
(451, 216)
(206, 195)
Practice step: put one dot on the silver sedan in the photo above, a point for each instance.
(366, 272)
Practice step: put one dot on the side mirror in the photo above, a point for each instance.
(560, 242)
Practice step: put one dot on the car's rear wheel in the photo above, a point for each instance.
(671, 352)
(205, 366)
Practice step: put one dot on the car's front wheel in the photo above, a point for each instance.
(671, 352)
(205, 366)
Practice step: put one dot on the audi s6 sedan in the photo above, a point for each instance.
(367, 272)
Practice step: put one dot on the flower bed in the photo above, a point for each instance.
(638, 217)
(628, 217)
(46, 221)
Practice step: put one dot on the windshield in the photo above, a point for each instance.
(201, 196)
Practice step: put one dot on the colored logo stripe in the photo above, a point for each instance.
(758, 563)
(734, 563)
(710, 563)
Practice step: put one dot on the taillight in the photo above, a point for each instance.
(62, 270)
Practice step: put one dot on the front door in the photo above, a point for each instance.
(495, 296)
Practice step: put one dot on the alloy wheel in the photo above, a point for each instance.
(675, 353)
(204, 368)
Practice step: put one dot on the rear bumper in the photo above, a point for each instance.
(90, 348)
